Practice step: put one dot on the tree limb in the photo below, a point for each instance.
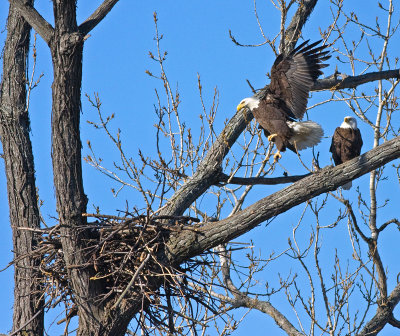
(259, 180)
(293, 31)
(32, 16)
(188, 244)
(96, 17)
(350, 82)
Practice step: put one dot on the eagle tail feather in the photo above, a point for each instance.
(306, 134)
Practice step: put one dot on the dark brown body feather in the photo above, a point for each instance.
(346, 144)
(292, 77)
(272, 119)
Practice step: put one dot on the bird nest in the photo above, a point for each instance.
(124, 254)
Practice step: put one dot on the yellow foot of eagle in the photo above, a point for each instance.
(271, 137)
(277, 156)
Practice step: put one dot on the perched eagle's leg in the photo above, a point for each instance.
(272, 136)
(277, 156)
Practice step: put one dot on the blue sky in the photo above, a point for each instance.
(197, 40)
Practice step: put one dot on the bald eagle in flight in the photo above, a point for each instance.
(346, 143)
(285, 99)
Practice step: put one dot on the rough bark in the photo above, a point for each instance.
(293, 31)
(351, 82)
(66, 50)
(20, 174)
(37, 22)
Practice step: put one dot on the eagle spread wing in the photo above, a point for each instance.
(293, 75)
(285, 99)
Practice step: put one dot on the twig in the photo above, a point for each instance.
(132, 281)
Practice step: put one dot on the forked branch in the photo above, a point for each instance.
(33, 17)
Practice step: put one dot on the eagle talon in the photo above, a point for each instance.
(277, 156)
(271, 137)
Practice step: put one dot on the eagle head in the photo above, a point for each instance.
(250, 102)
(349, 122)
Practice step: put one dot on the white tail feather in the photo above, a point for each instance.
(306, 134)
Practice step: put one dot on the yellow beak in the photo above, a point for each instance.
(346, 119)
(239, 107)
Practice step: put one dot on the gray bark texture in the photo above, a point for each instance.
(20, 174)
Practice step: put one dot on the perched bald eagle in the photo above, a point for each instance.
(346, 143)
(285, 99)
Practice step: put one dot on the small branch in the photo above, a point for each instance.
(98, 15)
(394, 220)
(27, 322)
(226, 273)
(263, 306)
(32, 16)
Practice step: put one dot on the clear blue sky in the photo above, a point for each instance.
(196, 38)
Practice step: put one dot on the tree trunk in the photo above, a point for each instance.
(20, 174)
(66, 50)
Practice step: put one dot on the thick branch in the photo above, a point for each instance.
(350, 82)
(32, 16)
(209, 235)
(293, 31)
(98, 15)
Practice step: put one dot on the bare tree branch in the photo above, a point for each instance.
(350, 82)
(259, 180)
(96, 17)
(209, 235)
(293, 31)
(268, 308)
(33, 17)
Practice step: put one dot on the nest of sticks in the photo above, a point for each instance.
(124, 254)
(121, 250)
